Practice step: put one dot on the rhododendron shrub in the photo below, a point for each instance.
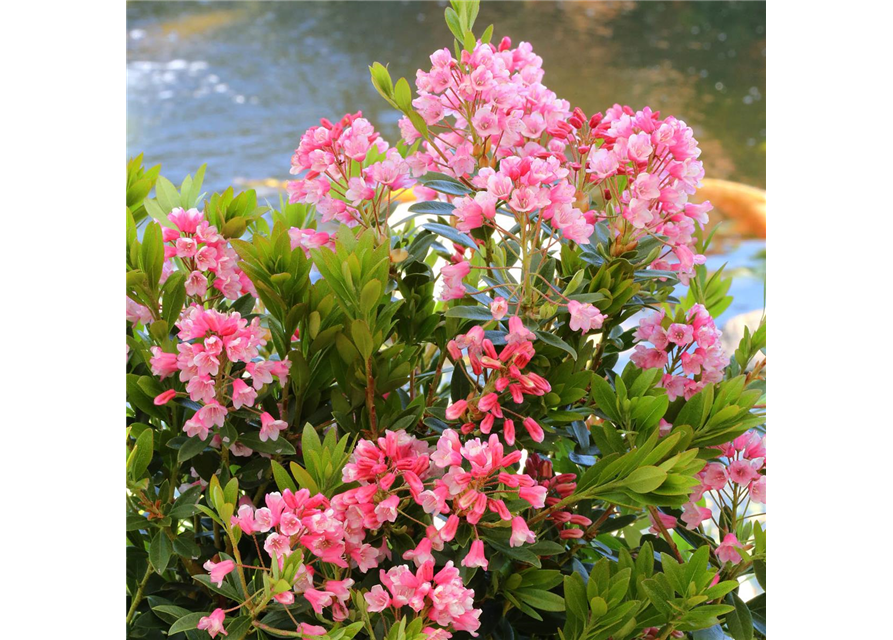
(345, 419)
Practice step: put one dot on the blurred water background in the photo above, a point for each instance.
(234, 84)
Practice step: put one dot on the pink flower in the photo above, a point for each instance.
(243, 395)
(758, 490)
(486, 122)
(195, 427)
(270, 427)
(421, 554)
(603, 163)
(164, 397)
(499, 307)
(386, 510)
(668, 521)
(319, 599)
(452, 280)
(213, 624)
(244, 519)
(535, 431)
(278, 545)
(508, 432)
(475, 556)
(520, 533)
(681, 334)
(312, 629)
(186, 221)
(727, 551)
(212, 414)
(584, 317)
(196, 284)
(518, 333)
(715, 476)
(693, 515)
(639, 213)
(163, 364)
(340, 588)
(536, 496)
(219, 570)
(639, 147)
(377, 599)
(742, 472)
(455, 410)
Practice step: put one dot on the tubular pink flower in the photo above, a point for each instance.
(213, 623)
(520, 533)
(475, 556)
(219, 570)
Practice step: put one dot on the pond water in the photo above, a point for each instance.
(234, 84)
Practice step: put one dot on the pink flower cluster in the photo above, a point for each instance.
(738, 472)
(398, 462)
(504, 376)
(334, 532)
(317, 525)
(526, 185)
(683, 349)
(487, 466)
(330, 156)
(440, 597)
(210, 343)
(743, 460)
(502, 90)
(658, 158)
(206, 254)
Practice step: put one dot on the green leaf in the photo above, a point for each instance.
(449, 187)
(452, 20)
(554, 341)
(739, 621)
(239, 628)
(225, 589)
(152, 253)
(362, 338)
(540, 599)
(381, 80)
(186, 623)
(370, 295)
(450, 233)
(283, 480)
(160, 549)
(645, 479)
(575, 594)
(142, 454)
(403, 95)
(166, 194)
(469, 312)
(169, 613)
(186, 505)
(191, 448)
(433, 207)
(604, 397)
(305, 480)
(279, 446)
